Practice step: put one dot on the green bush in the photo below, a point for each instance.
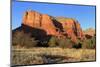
(30, 42)
(17, 38)
(61, 42)
(65, 43)
(52, 42)
(43, 44)
(23, 40)
(78, 44)
(89, 43)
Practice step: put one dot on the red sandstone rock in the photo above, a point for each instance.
(37, 20)
(32, 19)
(71, 28)
(47, 25)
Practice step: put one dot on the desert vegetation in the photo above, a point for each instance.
(22, 39)
(25, 50)
(45, 55)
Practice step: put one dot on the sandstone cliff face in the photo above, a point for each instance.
(32, 19)
(71, 28)
(42, 21)
(47, 25)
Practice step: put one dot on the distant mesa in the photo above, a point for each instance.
(90, 32)
(52, 26)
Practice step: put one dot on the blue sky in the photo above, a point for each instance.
(84, 14)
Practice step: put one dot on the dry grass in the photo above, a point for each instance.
(50, 55)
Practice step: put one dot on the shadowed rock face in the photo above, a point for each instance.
(72, 28)
(42, 21)
(60, 27)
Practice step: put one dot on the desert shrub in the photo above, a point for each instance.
(89, 43)
(43, 44)
(78, 44)
(24, 40)
(30, 42)
(17, 38)
(65, 43)
(52, 42)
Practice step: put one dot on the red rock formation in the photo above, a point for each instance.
(89, 31)
(71, 28)
(32, 19)
(42, 21)
(47, 25)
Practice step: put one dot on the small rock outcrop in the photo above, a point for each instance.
(89, 33)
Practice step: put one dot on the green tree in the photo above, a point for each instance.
(78, 44)
(65, 43)
(24, 40)
(52, 42)
(89, 43)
